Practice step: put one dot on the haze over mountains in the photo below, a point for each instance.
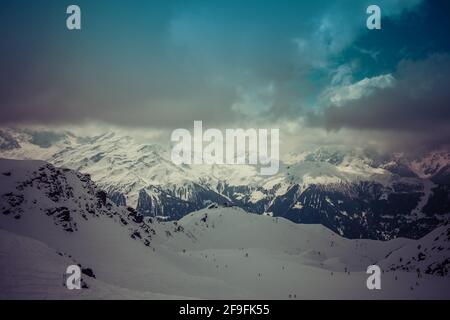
(351, 191)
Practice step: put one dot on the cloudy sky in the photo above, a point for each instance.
(311, 68)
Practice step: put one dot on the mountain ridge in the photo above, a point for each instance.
(342, 188)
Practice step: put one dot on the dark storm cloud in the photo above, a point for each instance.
(420, 100)
(417, 106)
(166, 63)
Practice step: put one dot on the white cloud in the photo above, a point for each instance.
(338, 95)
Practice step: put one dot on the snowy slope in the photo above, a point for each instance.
(290, 260)
(221, 253)
(33, 270)
(430, 255)
(431, 164)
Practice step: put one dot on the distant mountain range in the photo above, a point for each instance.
(351, 191)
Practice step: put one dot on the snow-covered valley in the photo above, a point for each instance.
(51, 218)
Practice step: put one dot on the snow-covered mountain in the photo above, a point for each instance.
(352, 192)
(53, 217)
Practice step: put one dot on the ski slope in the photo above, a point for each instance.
(215, 253)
